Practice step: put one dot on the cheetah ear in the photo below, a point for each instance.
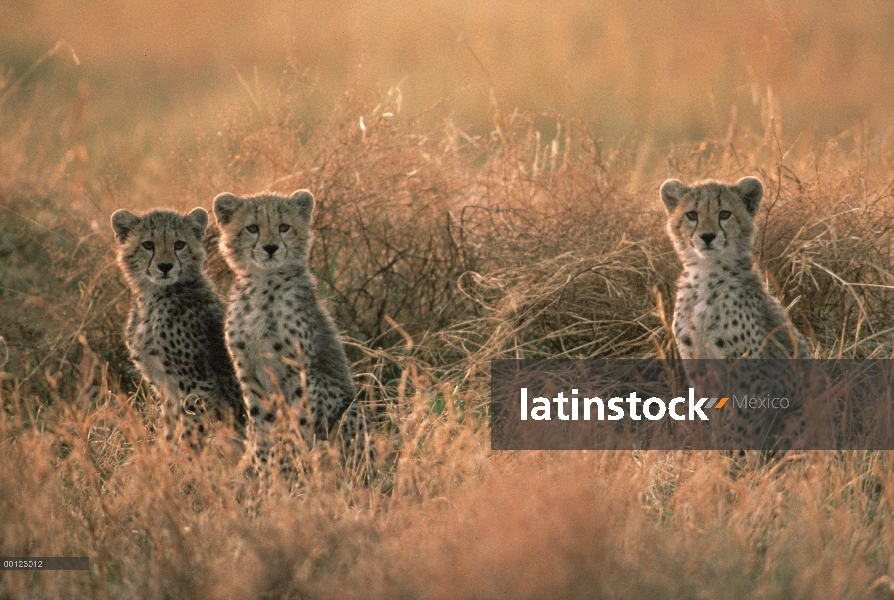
(671, 192)
(304, 202)
(751, 190)
(198, 219)
(123, 221)
(225, 206)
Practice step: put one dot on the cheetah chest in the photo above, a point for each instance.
(715, 317)
(266, 333)
(160, 348)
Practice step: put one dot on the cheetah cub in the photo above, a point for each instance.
(175, 334)
(283, 342)
(723, 309)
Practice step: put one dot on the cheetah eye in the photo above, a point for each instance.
(180, 245)
(692, 215)
(725, 214)
(284, 228)
(252, 228)
(148, 245)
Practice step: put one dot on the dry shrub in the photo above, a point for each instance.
(62, 303)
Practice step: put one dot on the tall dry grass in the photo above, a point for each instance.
(447, 234)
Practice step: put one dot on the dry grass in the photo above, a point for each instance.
(451, 229)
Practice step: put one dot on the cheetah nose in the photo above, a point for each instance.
(708, 238)
(165, 267)
(271, 249)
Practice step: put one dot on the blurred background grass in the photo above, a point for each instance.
(645, 70)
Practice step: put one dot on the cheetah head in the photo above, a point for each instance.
(265, 232)
(711, 220)
(161, 247)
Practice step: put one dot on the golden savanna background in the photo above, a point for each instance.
(487, 179)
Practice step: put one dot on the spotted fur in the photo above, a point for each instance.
(723, 310)
(285, 346)
(175, 332)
